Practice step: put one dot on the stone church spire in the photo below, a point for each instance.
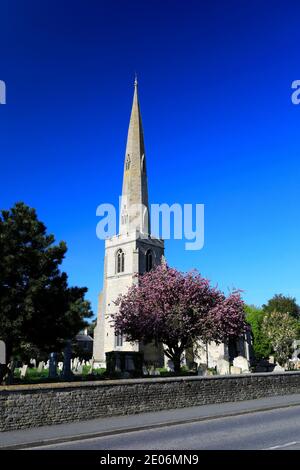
(132, 251)
(134, 214)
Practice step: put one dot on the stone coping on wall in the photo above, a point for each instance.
(118, 382)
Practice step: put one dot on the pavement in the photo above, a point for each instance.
(272, 422)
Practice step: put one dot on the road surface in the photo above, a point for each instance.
(276, 429)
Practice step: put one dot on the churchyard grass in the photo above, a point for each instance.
(35, 376)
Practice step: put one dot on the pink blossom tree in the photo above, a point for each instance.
(177, 309)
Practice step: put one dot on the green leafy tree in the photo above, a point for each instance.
(261, 343)
(281, 329)
(283, 304)
(37, 307)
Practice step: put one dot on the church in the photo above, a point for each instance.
(134, 251)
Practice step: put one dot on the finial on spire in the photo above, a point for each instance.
(135, 80)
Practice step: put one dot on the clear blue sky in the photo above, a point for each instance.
(220, 129)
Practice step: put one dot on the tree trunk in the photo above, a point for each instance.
(207, 354)
(176, 362)
(174, 353)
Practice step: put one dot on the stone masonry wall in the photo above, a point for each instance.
(27, 406)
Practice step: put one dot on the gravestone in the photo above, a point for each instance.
(75, 363)
(91, 365)
(23, 371)
(53, 365)
(67, 373)
(223, 366)
(278, 368)
(242, 363)
(153, 372)
(41, 366)
(33, 362)
(79, 369)
(202, 369)
(235, 370)
(3, 367)
(170, 365)
(2, 352)
(60, 365)
(296, 352)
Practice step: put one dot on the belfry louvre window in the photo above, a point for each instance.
(120, 261)
(149, 261)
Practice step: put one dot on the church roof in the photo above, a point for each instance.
(83, 337)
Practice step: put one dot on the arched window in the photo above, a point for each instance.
(127, 165)
(120, 261)
(149, 261)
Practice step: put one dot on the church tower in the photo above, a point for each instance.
(133, 250)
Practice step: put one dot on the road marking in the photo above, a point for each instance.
(280, 446)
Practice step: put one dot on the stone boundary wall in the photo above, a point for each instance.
(25, 406)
